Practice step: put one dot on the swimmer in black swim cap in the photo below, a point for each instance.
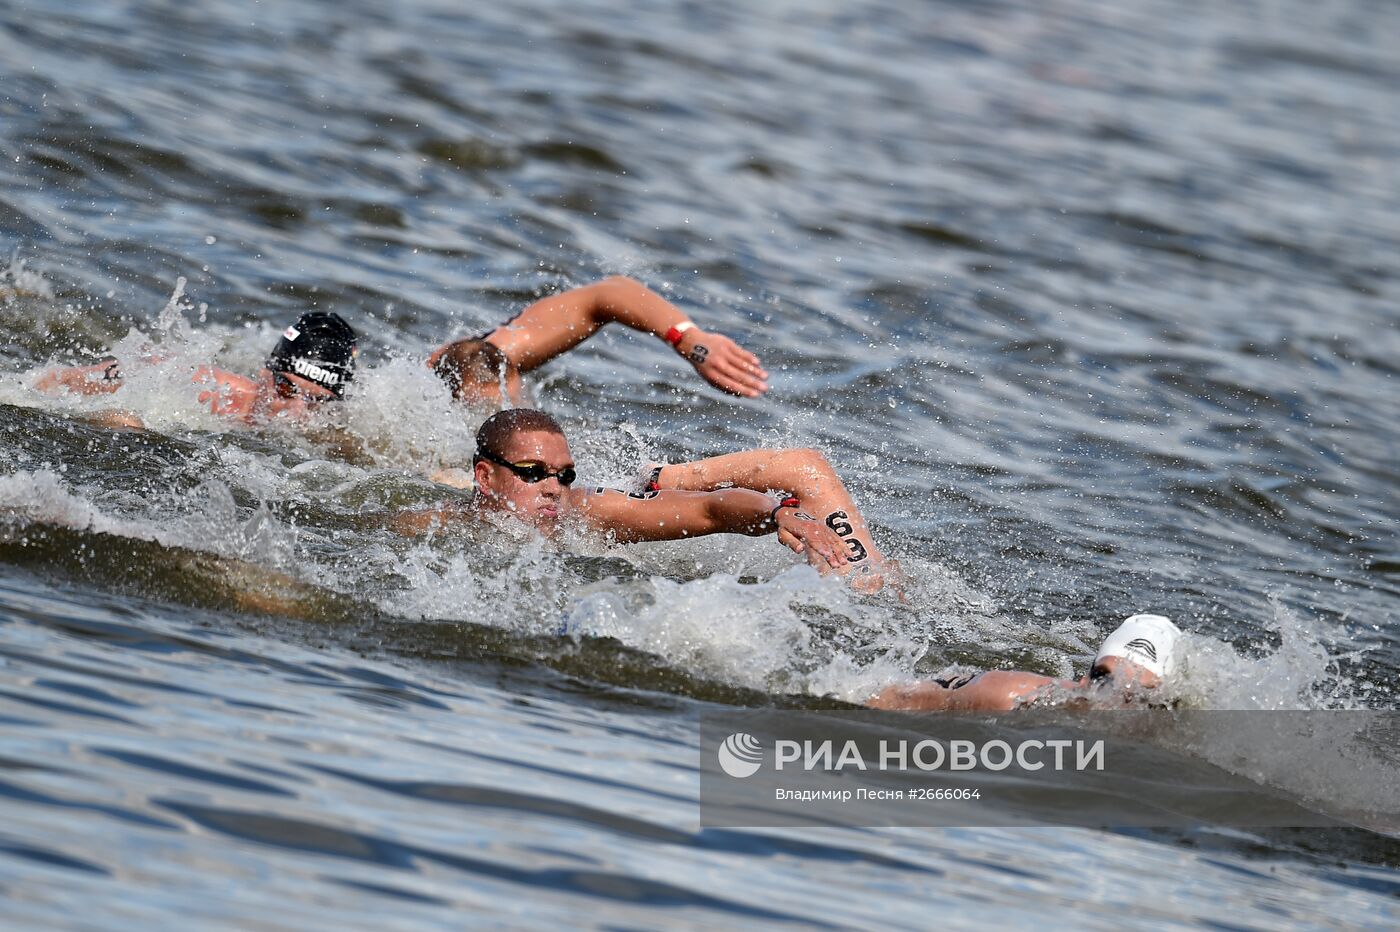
(312, 362)
(320, 347)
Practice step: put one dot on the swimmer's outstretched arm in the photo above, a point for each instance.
(993, 691)
(1004, 690)
(802, 473)
(557, 324)
(100, 379)
(676, 515)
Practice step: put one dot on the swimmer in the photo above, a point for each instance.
(523, 470)
(1134, 659)
(487, 369)
(312, 363)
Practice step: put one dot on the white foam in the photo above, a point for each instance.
(42, 497)
(17, 280)
(213, 525)
(752, 635)
(1217, 676)
(405, 418)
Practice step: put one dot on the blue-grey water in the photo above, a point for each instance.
(1093, 303)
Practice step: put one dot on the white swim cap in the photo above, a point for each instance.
(1150, 641)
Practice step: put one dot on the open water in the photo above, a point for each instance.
(1093, 303)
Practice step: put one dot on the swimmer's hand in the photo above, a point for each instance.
(802, 534)
(101, 379)
(723, 363)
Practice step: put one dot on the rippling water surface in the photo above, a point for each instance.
(1093, 303)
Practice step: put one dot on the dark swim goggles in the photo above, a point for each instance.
(289, 389)
(532, 471)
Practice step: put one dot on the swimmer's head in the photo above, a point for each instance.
(478, 373)
(319, 348)
(523, 465)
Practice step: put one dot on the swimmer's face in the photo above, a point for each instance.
(535, 503)
(286, 393)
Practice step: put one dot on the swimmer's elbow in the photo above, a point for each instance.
(608, 298)
(618, 292)
(807, 458)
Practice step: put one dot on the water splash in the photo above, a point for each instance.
(1300, 673)
(19, 281)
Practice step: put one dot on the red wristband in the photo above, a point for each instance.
(788, 502)
(673, 336)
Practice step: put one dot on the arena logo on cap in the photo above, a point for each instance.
(315, 373)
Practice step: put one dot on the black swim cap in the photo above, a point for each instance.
(319, 347)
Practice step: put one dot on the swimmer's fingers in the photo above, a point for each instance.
(829, 544)
(795, 543)
(733, 380)
(743, 361)
(218, 404)
(751, 377)
(823, 546)
(727, 366)
(732, 383)
(750, 362)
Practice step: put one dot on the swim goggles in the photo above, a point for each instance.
(532, 471)
(289, 389)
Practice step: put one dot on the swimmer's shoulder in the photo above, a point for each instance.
(454, 476)
(419, 521)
